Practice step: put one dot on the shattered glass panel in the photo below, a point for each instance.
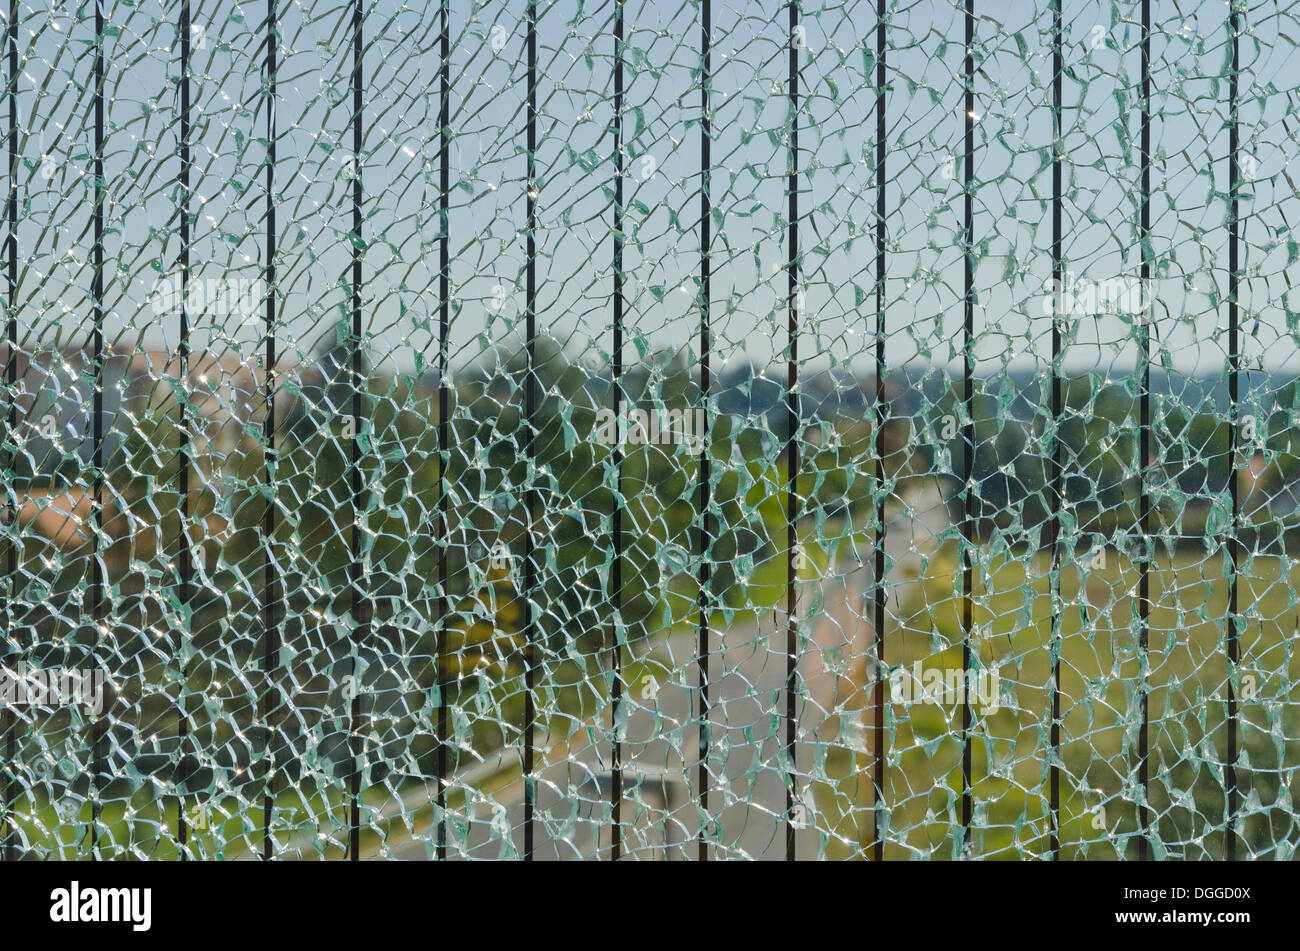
(649, 429)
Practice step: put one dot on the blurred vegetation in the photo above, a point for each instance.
(372, 572)
(1100, 663)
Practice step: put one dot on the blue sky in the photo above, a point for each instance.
(1012, 219)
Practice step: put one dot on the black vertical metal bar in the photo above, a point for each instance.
(1148, 550)
(878, 696)
(706, 451)
(11, 380)
(270, 581)
(1234, 368)
(183, 557)
(530, 409)
(791, 449)
(354, 843)
(969, 426)
(97, 411)
(1054, 521)
(616, 690)
(444, 406)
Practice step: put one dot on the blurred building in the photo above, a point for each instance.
(53, 440)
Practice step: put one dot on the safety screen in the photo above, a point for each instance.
(650, 429)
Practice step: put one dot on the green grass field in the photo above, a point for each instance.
(1101, 665)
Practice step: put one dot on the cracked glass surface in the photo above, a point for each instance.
(306, 555)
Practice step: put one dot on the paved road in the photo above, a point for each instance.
(747, 788)
(572, 819)
(660, 817)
